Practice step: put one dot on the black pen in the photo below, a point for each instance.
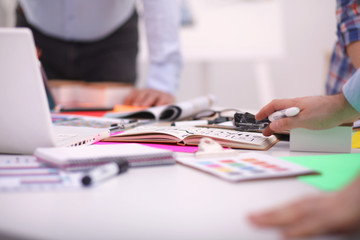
(104, 172)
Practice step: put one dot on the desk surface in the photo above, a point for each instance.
(167, 202)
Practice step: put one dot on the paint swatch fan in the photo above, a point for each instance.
(234, 166)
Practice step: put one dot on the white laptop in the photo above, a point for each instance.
(25, 121)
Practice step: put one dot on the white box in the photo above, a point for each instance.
(338, 140)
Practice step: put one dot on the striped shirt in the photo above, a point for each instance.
(348, 31)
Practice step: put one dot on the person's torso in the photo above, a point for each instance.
(79, 20)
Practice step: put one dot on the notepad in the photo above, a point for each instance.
(245, 167)
(192, 136)
(90, 156)
(26, 173)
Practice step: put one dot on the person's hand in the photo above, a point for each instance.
(322, 214)
(148, 97)
(320, 112)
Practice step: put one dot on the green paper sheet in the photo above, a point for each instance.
(336, 170)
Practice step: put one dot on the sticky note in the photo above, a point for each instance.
(356, 140)
(337, 170)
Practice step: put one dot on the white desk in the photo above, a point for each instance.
(169, 202)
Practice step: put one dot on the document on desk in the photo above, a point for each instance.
(25, 173)
(244, 166)
(180, 110)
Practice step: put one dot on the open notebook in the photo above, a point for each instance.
(192, 136)
(25, 122)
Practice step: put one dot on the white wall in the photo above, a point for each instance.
(309, 32)
(7, 8)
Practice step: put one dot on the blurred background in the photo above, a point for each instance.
(247, 52)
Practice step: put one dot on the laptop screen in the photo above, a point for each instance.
(49, 95)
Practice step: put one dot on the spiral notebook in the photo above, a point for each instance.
(90, 156)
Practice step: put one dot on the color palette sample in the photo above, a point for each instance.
(246, 166)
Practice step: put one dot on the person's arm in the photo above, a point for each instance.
(162, 22)
(325, 213)
(321, 214)
(353, 50)
(320, 112)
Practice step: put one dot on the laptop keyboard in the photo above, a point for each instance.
(94, 122)
(64, 136)
(78, 122)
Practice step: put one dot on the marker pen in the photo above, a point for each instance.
(288, 112)
(104, 172)
(191, 123)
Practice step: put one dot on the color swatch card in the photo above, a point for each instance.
(245, 166)
(25, 173)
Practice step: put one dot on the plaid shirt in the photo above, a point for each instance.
(348, 31)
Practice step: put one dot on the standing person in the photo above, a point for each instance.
(325, 213)
(94, 41)
(346, 54)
